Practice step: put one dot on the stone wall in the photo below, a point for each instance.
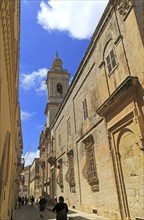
(98, 131)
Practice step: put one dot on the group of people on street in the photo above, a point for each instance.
(60, 208)
(25, 200)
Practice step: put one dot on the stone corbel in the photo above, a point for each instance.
(102, 64)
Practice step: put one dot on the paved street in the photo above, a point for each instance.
(32, 213)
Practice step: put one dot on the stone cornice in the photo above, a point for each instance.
(6, 30)
(107, 107)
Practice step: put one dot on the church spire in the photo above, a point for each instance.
(57, 62)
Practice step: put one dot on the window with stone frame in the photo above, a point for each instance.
(91, 163)
(85, 109)
(59, 89)
(111, 61)
(68, 127)
(60, 175)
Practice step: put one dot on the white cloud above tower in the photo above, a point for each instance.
(78, 18)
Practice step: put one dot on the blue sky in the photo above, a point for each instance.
(65, 26)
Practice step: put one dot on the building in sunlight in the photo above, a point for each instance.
(92, 147)
(24, 189)
(10, 123)
(57, 84)
(34, 179)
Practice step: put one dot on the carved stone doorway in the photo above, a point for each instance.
(127, 166)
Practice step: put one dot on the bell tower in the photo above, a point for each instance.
(57, 85)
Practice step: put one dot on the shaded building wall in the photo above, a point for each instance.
(10, 131)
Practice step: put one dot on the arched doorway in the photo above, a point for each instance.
(126, 154)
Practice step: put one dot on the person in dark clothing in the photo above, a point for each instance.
(42, 205)
(26, 200)
(32, 201)
(20, 201)
(61, 209)
(55, 199)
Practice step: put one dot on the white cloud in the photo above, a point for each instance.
(42, 87)
(79, 18)
(34, 80)
(27, 115)
(30, 156)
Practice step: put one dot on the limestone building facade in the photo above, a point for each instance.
(57, 84)
(93, 149)
(10, 123)
(34, 178)
(24, 189)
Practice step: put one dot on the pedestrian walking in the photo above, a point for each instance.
(42, 206)
(61, 209)
(32, 201)
(22, 200)
(26, 200)
(55, 199)
(19, 201)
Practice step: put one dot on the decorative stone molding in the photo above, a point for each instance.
(129, 85)
(0, 4)
(89, 170)
(59, 179)
(124, 7)
(7, 17)
(70, 175)
(119, 38)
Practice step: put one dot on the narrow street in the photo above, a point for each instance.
(72, 109)
(32, 213)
